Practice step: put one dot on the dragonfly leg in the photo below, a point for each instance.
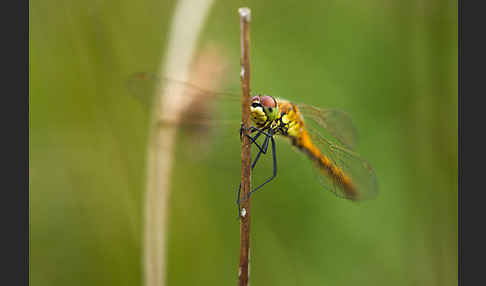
(260, 132)
(253, 139)
(238, 201)
(252, 129)
(263, 150)
(274, 156)
(253, 164)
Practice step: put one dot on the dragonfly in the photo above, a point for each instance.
(327, 137)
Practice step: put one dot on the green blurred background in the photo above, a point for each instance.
(392, 65)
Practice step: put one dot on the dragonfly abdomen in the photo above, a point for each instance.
(304, 143)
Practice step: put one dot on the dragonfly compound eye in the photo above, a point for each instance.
(268, 101)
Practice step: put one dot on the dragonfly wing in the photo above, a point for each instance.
(143, 86)
(357, 169)
(334, 121)
(211, 119)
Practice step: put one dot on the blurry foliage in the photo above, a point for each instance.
(392, 65)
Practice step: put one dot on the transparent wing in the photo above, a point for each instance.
(335, 122)
(357, 169)
(211, 120)
(143, 86)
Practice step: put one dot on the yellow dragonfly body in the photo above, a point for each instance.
(326, 136)
(344, 172)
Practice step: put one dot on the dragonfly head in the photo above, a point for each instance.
(263, 108)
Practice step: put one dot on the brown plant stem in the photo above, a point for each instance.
(244, 266)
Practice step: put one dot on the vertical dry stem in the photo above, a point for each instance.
(244, 267)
